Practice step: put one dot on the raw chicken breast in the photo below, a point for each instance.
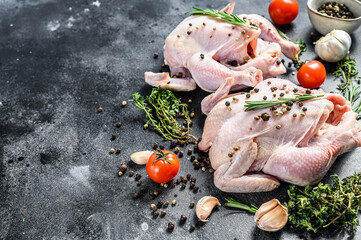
(250, 154)
(204, 51)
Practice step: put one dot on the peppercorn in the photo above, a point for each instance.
(145, 126)
(183, 185)
(290, 103)
(295, 90)
(202, 56)
(302, 114)
(191, 185)
(189, 32)
(308, 91)
(294, 115)
(118, 125)
(153, 206)
(163, 213)
(192, 204)
(193, 179)
(183, 218)
(192, 227)
(288, 108)
(100, 109)
(300, 104)
(180, 154)
(124, 103)
(192, 114)
(120, 173)
(195, 189)
(165, 204)
(170, 226)
(135, 195)
(265, 116)
(174, 202)
(203, 169)
(227, 103)
(248, 95)
(112, 150)
(123, 168)
(256, 90)
(304, 109)
(265, 98)
(278, 62)
(156, 213)
(278, 126)
(137, 176)
(176, 150)
(139, 182)
(155, 55)
(211, 170)
(155, 146)
(159, 204)
(131, 173)
(282, 94)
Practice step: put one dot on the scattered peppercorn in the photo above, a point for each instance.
(192, 203)
(120, 173)
(282, 94)
(113, 137)
(278, 126)
(118, 125)
(300, 104)
(138, 176)
(202, 56)
(295, 90)
(227, 103)
(304, 109)
(193, 179)
(265, 116)
(195, 189)
(278, 62)
(288, 108)
(192, 227)
(100, 109)
(294, 115)
(155, 55)
(308, 91)
(165, 204)
(156, 213)
(123, 168)
(190, 151)
(183, 218)
(264, 97)
(139, 182)
(112, 150)
(256, 90)
(174, 202)
(161, 146)
(163, 213)
(248, 95)
(131, 173)
(170, 226)
(189, 32)
(183, 185)
(153, 206)
(180, 154)
(176, 150)
(124, 103)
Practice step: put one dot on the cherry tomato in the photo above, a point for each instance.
(162, 166)
(311, 74)
(283, 11)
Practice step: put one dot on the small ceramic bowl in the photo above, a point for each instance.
(325, 24)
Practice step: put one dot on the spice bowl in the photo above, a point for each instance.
(325, 24)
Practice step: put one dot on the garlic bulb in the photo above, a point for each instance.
(271, 216)
(334, 46)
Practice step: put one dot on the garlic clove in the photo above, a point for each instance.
(205, 206)
(271, 216)
(141, 158)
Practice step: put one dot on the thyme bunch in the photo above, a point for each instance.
(162, 109)
(257, 105)
(346, 70)
(303, 48)
(221, 16)
(317, 207)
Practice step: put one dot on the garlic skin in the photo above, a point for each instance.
(205, 206)
(141, 158)
(271, 216)
(334, 46)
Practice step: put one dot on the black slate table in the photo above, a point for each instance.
(59, 61)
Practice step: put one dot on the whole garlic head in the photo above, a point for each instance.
(271, 216)
(334, 46)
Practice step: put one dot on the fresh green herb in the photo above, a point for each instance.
(257, 105)
(222, 16)
(318, 207)
(303, 48)
(346, 70)
(163, 113)
(231, 202)
(282, 34)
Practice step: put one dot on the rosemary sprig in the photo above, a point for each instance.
(346, 70)
(318, 207)
(282, 34)
(222, 16)
(163, 113)
(257, 105)
(231, 202)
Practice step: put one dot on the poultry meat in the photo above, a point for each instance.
(205, 51)
(296, 143)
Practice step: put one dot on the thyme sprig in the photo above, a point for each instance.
(346, 70)
(231, 202)
(282, 34)
(257, 105)
(318, 207)
(222, 16)
(303, 48)
(162, 108)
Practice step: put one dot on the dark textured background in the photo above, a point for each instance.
(59, 61)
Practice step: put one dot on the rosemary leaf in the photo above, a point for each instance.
(221, 16)
(231, 202)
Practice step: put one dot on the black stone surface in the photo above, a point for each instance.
(59, 61)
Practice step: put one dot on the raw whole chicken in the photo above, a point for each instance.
(204, 51)
(295, 143)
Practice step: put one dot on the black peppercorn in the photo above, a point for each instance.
(170, 226)
(193, 179)
(119, 124)
(137, 176)
(183, 218)
(155, 55)
(192, 227)
(195, 189)
(227, 103)
(155, 146)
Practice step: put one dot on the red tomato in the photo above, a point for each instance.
(283, 11)
(162, 166)
(311, 74)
